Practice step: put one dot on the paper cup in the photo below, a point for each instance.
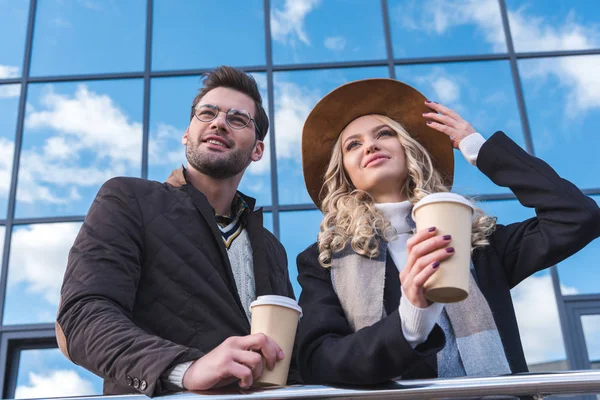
(452, 215)
(276, 317)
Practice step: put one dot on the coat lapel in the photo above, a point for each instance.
(254, 226)
(177, 179)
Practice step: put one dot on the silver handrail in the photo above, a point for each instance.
(559, 383)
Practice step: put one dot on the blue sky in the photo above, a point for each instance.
(79, 134)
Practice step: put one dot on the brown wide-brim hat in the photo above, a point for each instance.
(343, 105)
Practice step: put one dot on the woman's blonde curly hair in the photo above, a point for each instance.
(350, 214)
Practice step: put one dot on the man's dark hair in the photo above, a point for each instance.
(235, 79)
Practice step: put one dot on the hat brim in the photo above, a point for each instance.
(343, 105)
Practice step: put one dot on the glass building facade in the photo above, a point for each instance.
(91, 89)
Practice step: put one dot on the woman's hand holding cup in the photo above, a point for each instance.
(424, 252)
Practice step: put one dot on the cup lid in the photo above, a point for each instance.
(274, 300)
(443, 197)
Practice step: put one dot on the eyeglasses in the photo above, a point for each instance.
(237, 119)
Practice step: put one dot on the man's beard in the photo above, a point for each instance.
(217, 165)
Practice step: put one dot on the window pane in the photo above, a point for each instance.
(88, 37)
(442, 28)
(546, 25)
(268, 221)
(579, 273)
(591, 331)
(169, 118)
(488, 104)
(77, 136)
(190, 34)
(295, 95)
(535, 303)
(563, 103)
(47, 373)
(13, 26)
(38, 259)
(9, 108)
(299, 229)
(322, 31)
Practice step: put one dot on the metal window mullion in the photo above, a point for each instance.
(12, 196)
(388, 38)
(146, 110)
(271, 106)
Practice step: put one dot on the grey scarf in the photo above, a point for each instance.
(473, 345)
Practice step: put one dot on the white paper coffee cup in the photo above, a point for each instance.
(451, 214)
(276, 317)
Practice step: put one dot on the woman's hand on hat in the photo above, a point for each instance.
(424, 252)
(447, 121)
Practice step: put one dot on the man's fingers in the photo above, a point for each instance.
(250, 359)
(243, 373)
(266, 346)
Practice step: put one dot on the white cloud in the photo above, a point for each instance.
(289, 22)
(335, 43)
(90, 131)
(57, 383)
(293, 104)
(39, 257)
(578, 75)
(537, 316)
(8, 71)
(446, 90)
(9, 91)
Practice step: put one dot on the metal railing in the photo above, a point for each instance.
(530, 384)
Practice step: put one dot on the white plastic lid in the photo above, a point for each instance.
(274, 300)
(443, 197)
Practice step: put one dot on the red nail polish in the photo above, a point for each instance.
(435, 264)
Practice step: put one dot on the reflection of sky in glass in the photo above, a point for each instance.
(546, 25)
(441, 28)
(38, 259)
(89, 36)
(268, 221)
(326, 31)
(169, 118)
(77, 135)
(9, 105)
(591, 331)
(189, 34)
(488, 104)
(13, 25)
(295, 95)
(581, 272)
(533, 299)
(47, 373)
(298, 230)
(562, 96)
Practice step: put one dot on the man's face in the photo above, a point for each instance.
(216, 149)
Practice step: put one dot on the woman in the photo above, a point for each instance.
(371, 149)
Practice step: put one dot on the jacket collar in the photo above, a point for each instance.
(254, 226)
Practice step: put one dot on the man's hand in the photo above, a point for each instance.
(237, 358)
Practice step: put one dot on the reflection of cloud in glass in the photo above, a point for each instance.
(6, 159)
(335, 43)
(292, 105)
(39, 257)
(8, 71)
(94, 141)
(591, 331)
(537, 315)
(8, 91)
(289, 21)
(56, 383)
(530, 33)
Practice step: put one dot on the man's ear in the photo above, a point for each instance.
(259, 149)
(184, 139)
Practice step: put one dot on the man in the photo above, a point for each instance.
(159, 281)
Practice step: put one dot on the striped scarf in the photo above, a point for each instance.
(473, 345)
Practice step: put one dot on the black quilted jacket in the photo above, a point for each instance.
(149, 284)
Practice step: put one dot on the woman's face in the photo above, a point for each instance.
(374, 159)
